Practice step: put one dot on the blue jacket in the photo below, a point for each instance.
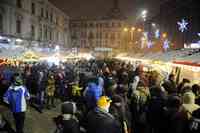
(92, 94)
(16, 97)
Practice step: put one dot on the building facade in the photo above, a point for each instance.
(34, 21)
(105, 32)
(172, 12)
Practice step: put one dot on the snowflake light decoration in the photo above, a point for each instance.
(198, 34)
(182, 25)
(149, 44)
(157, 33)
(166, 45)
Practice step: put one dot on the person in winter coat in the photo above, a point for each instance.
(182, 85)
(138, 108)
(155, 109)
(174, 117)
(16, 97)
(189, 103)
(50, 91)
(196, 91)
(170, 85)
(120, 111)
(92, 93)
(41, 84)
(99, 120)
(67, 122)
(194, 125)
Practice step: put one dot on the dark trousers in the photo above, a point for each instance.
(40, 100)
(19, 121)
(50, 101)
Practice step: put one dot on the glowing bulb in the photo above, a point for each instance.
(125, 29)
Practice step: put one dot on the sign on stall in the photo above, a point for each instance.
(103, 49)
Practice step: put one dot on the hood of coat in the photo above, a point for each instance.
(15, 88)
(189, 98)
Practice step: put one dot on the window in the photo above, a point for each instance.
(33, 8)
(1, 23)
(113, 24)
(40, 37)
(45, 33)
(91, 25)
(106, 35)
(51, 17)
(42, 12)
(119, 25)
(19, 3)
(18, 26)
(50, 34)
(47, 14)
(32, 31)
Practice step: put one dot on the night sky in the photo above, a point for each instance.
(99, 8)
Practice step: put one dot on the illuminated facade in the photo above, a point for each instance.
(35, 21)
(106, 32)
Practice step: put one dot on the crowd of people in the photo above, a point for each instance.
(100, 96)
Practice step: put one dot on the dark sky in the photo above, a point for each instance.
(98, 8)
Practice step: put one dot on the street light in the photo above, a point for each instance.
(1, 37)
(144, 14)
(139, 30)
(125, 29)
(133, 28)
(19, 40)
(153, 24)
(57, 48)
(164, 35)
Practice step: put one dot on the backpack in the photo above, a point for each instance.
(194, 122)
(194, 125)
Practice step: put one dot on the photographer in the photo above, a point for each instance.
(67, 122)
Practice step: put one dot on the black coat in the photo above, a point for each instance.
(99, 121)
(68, 126)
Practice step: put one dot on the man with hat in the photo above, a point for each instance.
(100, 120)
(16, 97)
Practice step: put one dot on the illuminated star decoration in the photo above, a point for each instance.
(149, 44)
(166, 45)
(157, 34)
(182, 25)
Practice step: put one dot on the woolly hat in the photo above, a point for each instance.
(174, 101)
(189, 98)
(68, 108)
(18, 81)
(103, 102)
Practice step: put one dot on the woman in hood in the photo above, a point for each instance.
(189, 103)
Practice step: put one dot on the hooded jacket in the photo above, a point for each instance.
(189, 102)
(16, 97)
(92, 94)
(99, 121)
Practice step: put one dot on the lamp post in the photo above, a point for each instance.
(144, 16)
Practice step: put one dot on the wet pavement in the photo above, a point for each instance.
(35, 122)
